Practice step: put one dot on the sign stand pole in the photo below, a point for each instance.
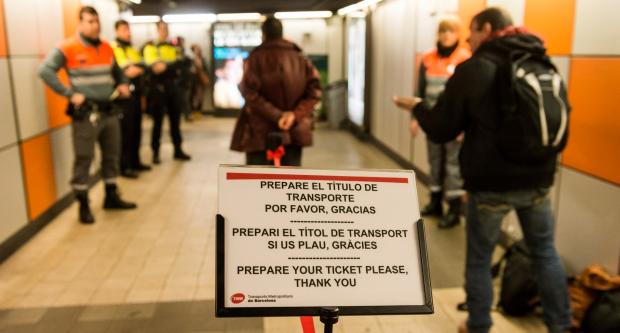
(329, 316)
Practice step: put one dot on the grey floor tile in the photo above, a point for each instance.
(173, 309)
(18, 329)
(169, 325)
(3, 314)
(206, 308)
(98, 313)
(129, 326)
(135, 311)
(22, 317)
(244, 324)
(64, 314)
(91, 327)
(207, 323)
(446, 252)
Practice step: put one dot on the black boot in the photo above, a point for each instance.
(180, 155)
(114, 201)
(129, 173)
(454, 214)
(142, 167)
(86, 216)
(434, 207)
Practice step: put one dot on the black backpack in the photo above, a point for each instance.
(519, 292)
(604, 315)
(534, 110)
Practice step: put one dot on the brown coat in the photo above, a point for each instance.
(277, 78)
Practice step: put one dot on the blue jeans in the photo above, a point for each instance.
(484, 218)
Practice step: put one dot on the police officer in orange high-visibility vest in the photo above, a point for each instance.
(95, 81)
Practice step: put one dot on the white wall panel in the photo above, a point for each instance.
(8, 134)
(597, 28)
(377, 118)
(563, 65)
(21, 27)
(12, 197)
(588, 229)
(310, 35)
(392, 67)
(516, 9)
(335, 31)
(49, 24)
(62, 152)
(30, 96)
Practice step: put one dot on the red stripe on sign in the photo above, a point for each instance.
(275, 176)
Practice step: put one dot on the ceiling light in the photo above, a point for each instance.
(357, 6)
(240, 17)
(137, 2)
(144, 19)
(303, 15)
(189, 18)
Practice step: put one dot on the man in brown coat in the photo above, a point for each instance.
(281, 88)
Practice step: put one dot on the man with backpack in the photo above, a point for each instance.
(512, 105)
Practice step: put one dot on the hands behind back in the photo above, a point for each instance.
(286, 120)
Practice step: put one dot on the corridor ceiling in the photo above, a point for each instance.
(160, 7)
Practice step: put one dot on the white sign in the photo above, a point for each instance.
(314, 238)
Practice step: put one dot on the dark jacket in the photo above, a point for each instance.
(277, 78)
(471, 103)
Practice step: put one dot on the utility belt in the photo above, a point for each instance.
(92, 110)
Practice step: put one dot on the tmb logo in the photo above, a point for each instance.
(237, 298)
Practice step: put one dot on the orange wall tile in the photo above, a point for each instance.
(57, 105)
(594, 137)
(467, 10)
(39, 174)
(70, 9)
(3, 52)
(554, 21)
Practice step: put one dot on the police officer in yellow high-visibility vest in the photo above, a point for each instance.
(130, 61)
(160, 58)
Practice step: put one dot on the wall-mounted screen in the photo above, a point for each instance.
(232, 43)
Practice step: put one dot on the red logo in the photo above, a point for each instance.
(237, 298)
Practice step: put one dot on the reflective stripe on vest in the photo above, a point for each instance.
(89, 68)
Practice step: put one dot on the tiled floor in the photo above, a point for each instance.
(151, 270)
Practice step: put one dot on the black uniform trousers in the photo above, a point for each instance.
(163, 100)
(131, 129)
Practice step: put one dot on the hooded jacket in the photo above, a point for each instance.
(471, 103)
(277, 78)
